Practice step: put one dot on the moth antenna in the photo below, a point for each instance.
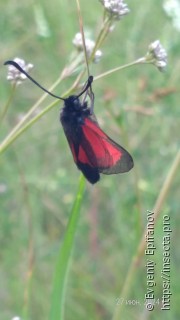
(16, 65)
(87, 86)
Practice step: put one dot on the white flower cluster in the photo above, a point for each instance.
(157, 54)
(78, 43)
(116, 8)
(14, 75)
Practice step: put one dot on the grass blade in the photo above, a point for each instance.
(64, 256)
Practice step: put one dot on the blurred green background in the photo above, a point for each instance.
(138, 107)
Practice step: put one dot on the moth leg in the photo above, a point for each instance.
(91, 96)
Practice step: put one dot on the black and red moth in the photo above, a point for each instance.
(94, 152)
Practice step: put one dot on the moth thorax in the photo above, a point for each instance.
(72, 103)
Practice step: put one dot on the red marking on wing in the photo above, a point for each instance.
(96, 151)
(82, 156)
(95, 127)
(104, 152)
(73, 151)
